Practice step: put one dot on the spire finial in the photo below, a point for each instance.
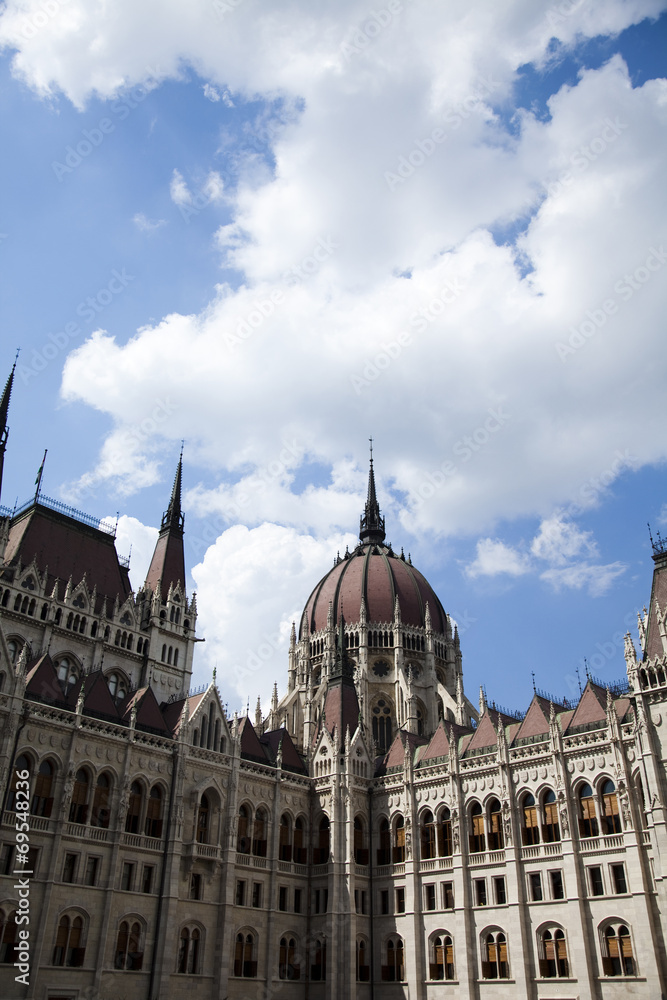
(173, 516)
(371, 526)
(533, 676)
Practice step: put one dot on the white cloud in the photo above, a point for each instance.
(597, 579)
(495, 557)
(558, 541)
(214, 187)
(211, 93)
(146, 225)
(137, 541)
(247, 586)
(178, 189)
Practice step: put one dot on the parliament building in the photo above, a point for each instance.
(375, 836)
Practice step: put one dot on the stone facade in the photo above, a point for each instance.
(375, 836)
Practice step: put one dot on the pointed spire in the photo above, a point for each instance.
(173, 516)
(482, 700)
(4, 413)
(371, 525)
(167, 566)
(292, 636)
(274, 698)
(258, 714)
(428, 625)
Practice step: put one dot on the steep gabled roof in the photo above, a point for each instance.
(341, 709)
(148, 711)
(251, 748)
(96, 696)
(42, 681)
(592, 707)
(395, 756)
(536, 721)
(280, 738)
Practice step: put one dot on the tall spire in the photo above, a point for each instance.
(168, 563)
(4, 413)
(371, 525)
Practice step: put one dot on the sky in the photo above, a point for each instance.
(276, 230)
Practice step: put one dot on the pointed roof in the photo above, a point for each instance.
(395, 756)
(251, 748)
(371, 525)
(536, 720)
(439, 745)
(280, 739)
(42, 682)
(592, 707)
(341, 707)
(168, 563)
(4, 413)
(149, 715)
(97, 699)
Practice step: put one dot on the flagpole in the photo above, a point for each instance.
(38, 481)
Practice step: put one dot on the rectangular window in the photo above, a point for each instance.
(535, 881)
(147, 878)
(429, 897)
(595, 877)
(360, 901)
(256, 894)
(69, 868)
(619, 879)
(447, 895)
(282, 897)
(92, 865)
(363, 901)
(33, 861)
(321, 900)
(297, 900)
(557, 887)
(500, 890)
(195, 886)
(240, 892)
(400, 899)
(480, 891)
(384, 901)
(127, 878)
(6, 856)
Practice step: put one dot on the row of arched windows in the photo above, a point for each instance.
(169, 654)
(91, 797)
(209, 733)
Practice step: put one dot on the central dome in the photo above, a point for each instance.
(374, 573)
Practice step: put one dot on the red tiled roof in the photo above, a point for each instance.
(250, 745)
(591, 707)
(536, 721)
(148, 710)
(379, 576)
(659, 594)
(69, 548)
(276, 738)
(168, 563)
(341, 709)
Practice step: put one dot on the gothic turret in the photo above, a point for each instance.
(168, 563)
(371, 525)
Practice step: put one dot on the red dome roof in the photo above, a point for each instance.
(377, 574)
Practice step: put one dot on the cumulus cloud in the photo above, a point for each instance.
(495, 558)
(136, 541)
(596, 579)
(558, 541)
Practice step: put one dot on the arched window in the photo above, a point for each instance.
(300, 849)
(42, 799)
(243, 836)
(477, 838)
(69, 941)
(135, 803)
(287, 968)
(617, 955)
(244, 956)
(494, 962)
(553, 958)
(362, 966)
(360, 849)
(588, 823)
(321, 853)
(382, 728)
(259, 834)
(78, 810)
(129, 947)
(496, 840)
(163, 655)
(67, 672)
(551, 820)
(153, 827)
(285, 842)
(8, 937)
(22, 764)
(203, 820)
(394, 970)
(384, 850)
(611, 821)
(445, 844)
(427, 836)
(399, 840)
(530, 830)
(442, 957)
(318, 970)
(100, 814)
(117, 686)
(189, 951)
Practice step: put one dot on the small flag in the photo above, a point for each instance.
(38, 481)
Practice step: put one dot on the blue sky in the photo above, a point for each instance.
(281, 235)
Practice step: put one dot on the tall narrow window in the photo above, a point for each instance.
(496, 841)
(530, 832)
(68, 950)
(101, 814)
(360, 849)
(133, 815)
(285, 846)
(203, 820)
(323, 848)
(300, 850)
(611, 821)
(8, 937)
(243, 836)
(287, 969)
(399, 842)
(588, 823)
(153, 827)
(427, 836)
(259, 834)
(618, 959)
(363, 969)
(551, 820)
(78, 810)
(129, 953)
(42, 800)
(445, 848)
(384, 850)
(477, 838)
